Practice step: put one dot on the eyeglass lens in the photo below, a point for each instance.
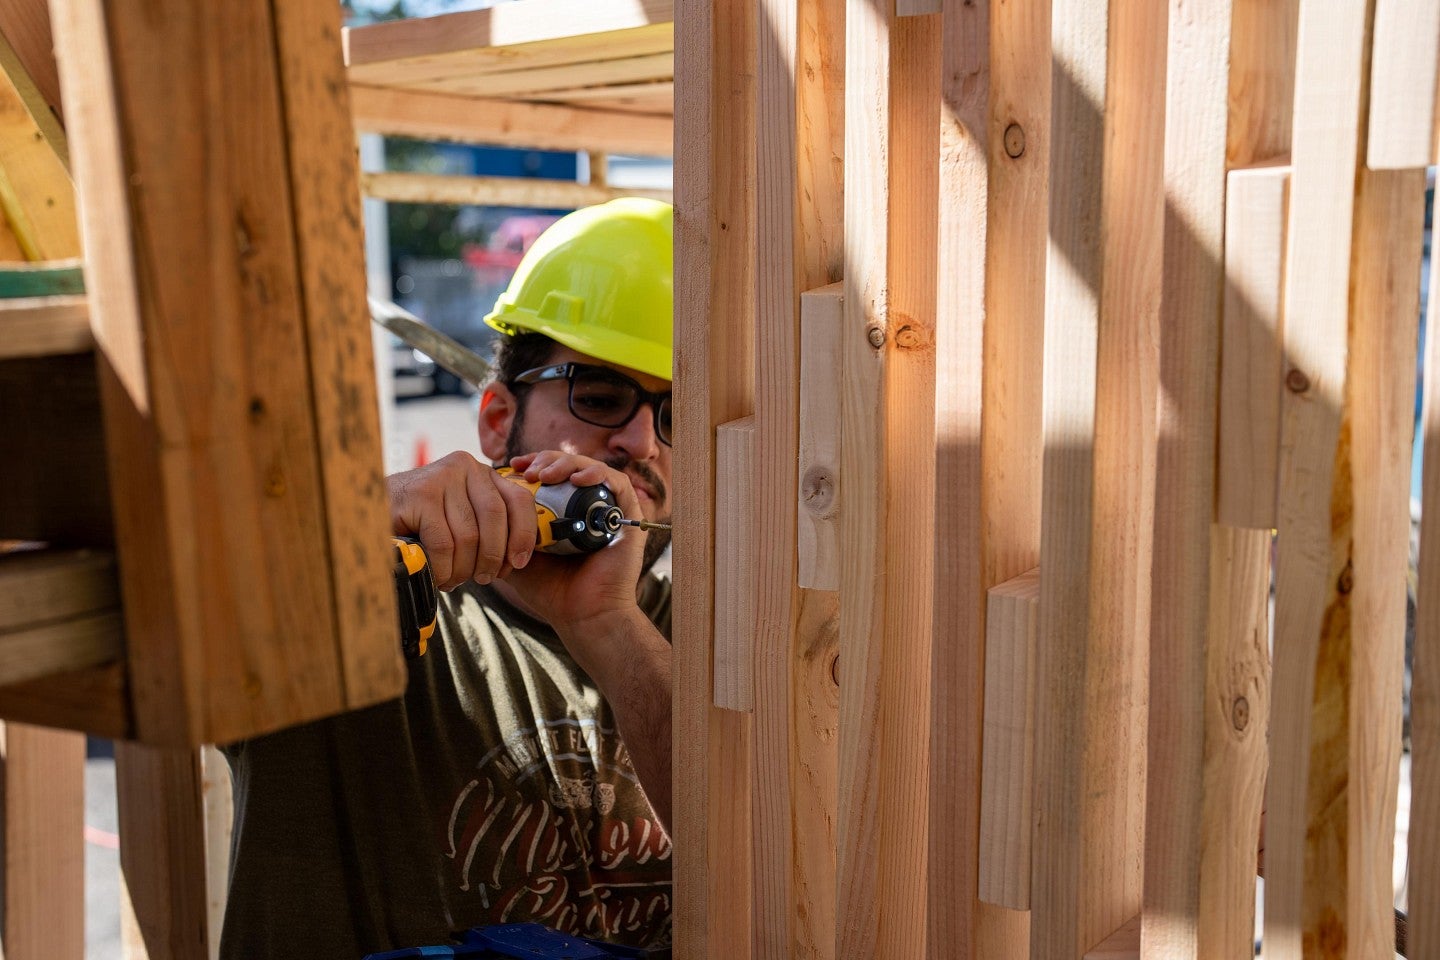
(611, 402)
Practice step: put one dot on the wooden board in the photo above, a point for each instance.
(1389, 232)
(44, 326)
(245, 457)
(1328, 104)
(162, 848)
(219, 803)
(892, 67)
(541, 126)
(1106, 219)
(714, 343)
(25, 26)
(1262, 81)
(735, 574)
(1403, 65)
(818, 543)
(1123, 944)
(1250, 362)
(36, 194)
(1007, 790)
(1192, 634)
(43, 774)
(494, 191)
(95, 700)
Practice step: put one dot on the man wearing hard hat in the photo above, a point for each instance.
(525, 775)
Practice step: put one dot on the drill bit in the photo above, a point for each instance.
(645, 524)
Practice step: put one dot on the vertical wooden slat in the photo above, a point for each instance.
(1102, 298)
(1389, 230)
(735, 551)
(43, 804)
(818, 546)
(1262, 81)
(1403, 63)
(330, 250)
(162, 849)
(1305, 837)
(25, 25)
(714, 343)
(219, 803)
(1194, 742)
(891, 150)
(1250, 363)
(1007, 790)
(992, 177)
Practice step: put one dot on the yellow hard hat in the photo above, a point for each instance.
(599, 281)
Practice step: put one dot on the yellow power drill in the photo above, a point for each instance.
(569, 520)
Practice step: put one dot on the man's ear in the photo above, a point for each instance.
(498, 406)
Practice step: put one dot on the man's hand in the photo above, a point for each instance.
(473, 523)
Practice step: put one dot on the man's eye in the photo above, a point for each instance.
(599, 402)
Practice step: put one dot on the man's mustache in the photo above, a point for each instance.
(642, 470)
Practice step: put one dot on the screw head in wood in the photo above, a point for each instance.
(1296, 381)
(1014, 141)
(876, 336)
(1240, 713)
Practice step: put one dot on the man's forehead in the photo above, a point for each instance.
(564, 354)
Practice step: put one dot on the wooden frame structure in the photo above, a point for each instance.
(1008, 618)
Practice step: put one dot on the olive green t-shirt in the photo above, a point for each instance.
(496, 790)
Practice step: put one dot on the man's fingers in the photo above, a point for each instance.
(492, 523)
(520, 507)
(464, 535)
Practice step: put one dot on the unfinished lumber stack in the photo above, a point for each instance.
(1119, 304)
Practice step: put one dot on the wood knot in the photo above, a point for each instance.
(275, 483)
(253, 686)
(817, 491)
(876, 335)
(1014, 141)
(909, 337)
(1346, 583)
(1296, 381)
(835, 668)
(257, 409)
(1240, 713)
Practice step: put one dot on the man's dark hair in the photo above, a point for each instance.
(514, 354)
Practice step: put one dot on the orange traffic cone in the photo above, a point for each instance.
(422, 451)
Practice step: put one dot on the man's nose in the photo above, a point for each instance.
(637, 438)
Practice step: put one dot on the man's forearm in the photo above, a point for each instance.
(630, 661)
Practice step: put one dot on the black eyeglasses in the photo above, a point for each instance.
(604, 397)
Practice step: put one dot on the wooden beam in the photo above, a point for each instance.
(94, 700)
(1403, 68)
(540, 83)
(25, 33)
(250, 507)
(438, 116)
(798, 241)
(44, 326)
(892, 69)
(735, 575)
(1250, 362)
(821, 327)
(1262, 81)
(494, 191)
(1313, 530)
(162, 848)
(495, 31)
(1202, 771)
(1101, 372)
(1389, 232)
(36, 194)
(218, 798)
(1012, 620)
(43, 775)
(714, 360)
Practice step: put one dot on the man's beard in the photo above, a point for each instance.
(656, 541)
